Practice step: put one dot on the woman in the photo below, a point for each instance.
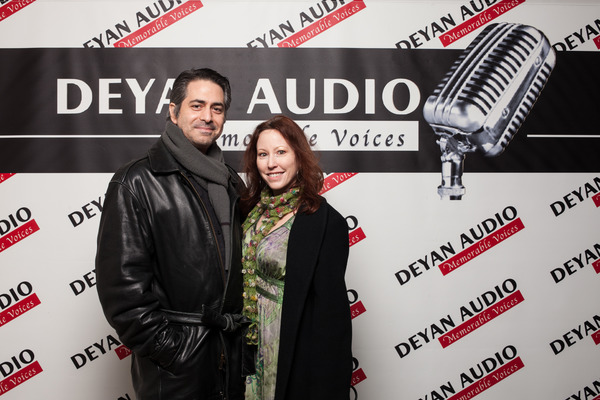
(295, 254)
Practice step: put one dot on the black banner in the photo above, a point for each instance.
(83, 110)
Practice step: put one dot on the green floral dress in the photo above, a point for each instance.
(271, 255)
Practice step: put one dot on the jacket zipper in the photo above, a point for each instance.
(231, 227)
(224, 368)
(223, 357)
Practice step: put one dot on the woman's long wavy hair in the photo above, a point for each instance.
(310, 175)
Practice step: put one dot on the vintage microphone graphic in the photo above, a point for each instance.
(486, 95)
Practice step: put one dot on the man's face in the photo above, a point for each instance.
(202, 113)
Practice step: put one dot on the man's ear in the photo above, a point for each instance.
(172, 113)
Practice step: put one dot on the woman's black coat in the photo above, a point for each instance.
(315, 355)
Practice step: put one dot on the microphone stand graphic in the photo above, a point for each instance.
(486, 95)
(453, 158)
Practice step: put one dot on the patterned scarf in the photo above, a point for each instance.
(273, 208)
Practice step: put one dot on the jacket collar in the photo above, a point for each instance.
(161, 160)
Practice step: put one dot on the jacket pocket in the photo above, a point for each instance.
(181, 347)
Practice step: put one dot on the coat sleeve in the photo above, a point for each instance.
(315, 359)
(125, 282)
(333, 323)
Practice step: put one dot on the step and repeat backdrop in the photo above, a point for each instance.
(460, 141)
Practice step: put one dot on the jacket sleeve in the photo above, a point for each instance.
(125, 282)
(333, 335)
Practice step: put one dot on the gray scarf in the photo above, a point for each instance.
(209, 170)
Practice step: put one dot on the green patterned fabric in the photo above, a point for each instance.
(271, 255)
(272, 208)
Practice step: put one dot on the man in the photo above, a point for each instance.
(168, 264)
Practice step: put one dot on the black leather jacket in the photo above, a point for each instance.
(157, 265)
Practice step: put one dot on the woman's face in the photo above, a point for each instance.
(276, 161)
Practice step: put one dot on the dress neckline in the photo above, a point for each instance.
(287, 224)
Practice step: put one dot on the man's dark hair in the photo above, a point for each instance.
(180, 85)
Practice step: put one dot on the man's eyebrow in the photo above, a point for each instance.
(204, 102)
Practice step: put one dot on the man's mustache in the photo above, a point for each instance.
(204, 125)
